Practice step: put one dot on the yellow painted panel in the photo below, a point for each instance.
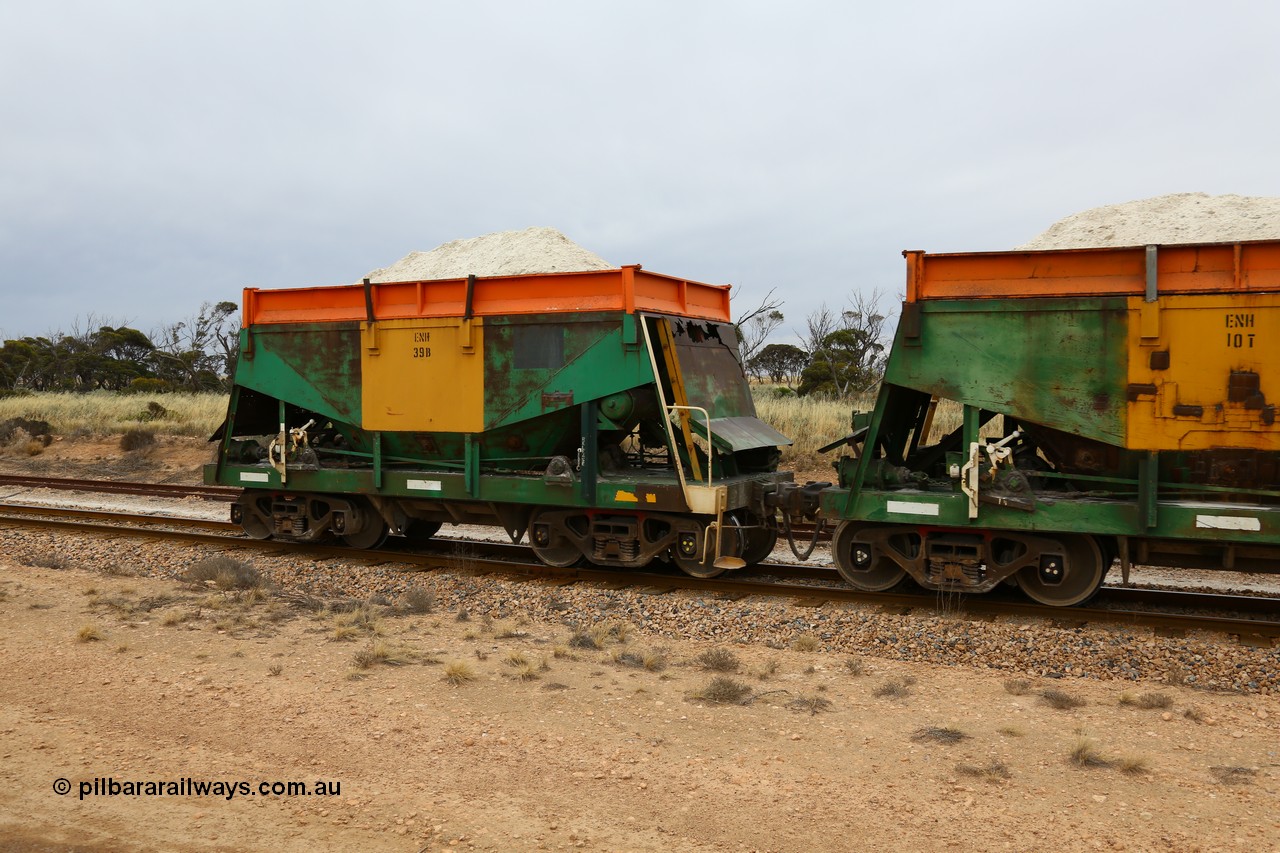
(423, 375)
(1207, 339)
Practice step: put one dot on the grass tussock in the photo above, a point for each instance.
(723, 690)
(1017, 686)
(380, 652)
(1061, 700)
(652, 660)
(275, 669)
(718, 660)
(226, 573)
(1012, 731)
(936, 734)
(1085, 753)
(1233, 775)
(457, 673)
(806, 643)
(137, 440)
(1134, 765)
(584, 640)
(1147, 701)
(854, 666)
(417, 599)
(811, 704)
(894, 688)
(604, 633)
(992, 771)
(47, 561)
(106, 413)
(88, 634)
(766, 670)
(1194, 714)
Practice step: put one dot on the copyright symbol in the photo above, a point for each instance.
(62, 786)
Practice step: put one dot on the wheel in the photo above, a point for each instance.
(251, 523)
(860, 563)
(254, 527)
(688, 548)
(371, 529)
(1070, 579)
(758, 542)
(550, 546)
(418, 530)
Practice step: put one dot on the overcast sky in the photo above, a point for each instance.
(157, 155)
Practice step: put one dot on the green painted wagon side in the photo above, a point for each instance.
(559, 423)
(1048, 479)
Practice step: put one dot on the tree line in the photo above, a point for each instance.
(195, 354)
(842, 355)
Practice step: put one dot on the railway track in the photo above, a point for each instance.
(1252, 619)
(162, 490)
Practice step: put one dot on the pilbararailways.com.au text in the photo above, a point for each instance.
(188, 787)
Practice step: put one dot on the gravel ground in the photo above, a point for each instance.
(1018, 646)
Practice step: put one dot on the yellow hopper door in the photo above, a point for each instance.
(423, 375)
(1204, 372)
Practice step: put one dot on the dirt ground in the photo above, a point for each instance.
(555, 746)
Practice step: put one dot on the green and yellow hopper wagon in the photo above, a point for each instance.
(1115, 404)
(605, 414)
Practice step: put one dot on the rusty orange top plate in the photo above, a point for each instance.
(1183, 268)
(627, 289)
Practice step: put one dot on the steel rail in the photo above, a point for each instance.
(732, 585)
(213, 493)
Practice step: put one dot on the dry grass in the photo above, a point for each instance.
(1085, 753)
(993, 771)
(418, 599)
(1147, 701)
(1194, 714)
(806, 643)
(652, 660)
(894, 688)
(1134, 765)
(718, 660)
(525, 672)
(355, 623)
(174, 617)
(226, 573)
(1012, 731)
(766, 670)
(602, 633)
(811, 704)
(47, 561)
(382, 652)
(1228, 775)
(105, 413)
(275, 669)
(812, 422)
(137, 439)
(854, 666)
(88, 634)
(1017, 686)
(583, 640)
(1061, 700)
(458, 673)
(939, 735)
(723, 690)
